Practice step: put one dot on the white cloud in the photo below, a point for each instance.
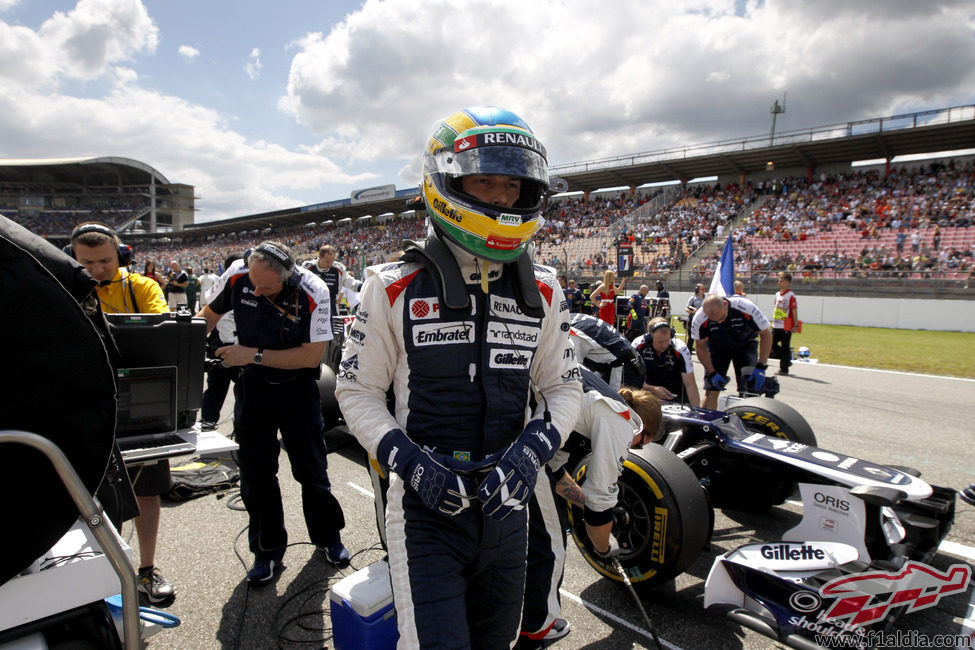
(644, 76)
(187, 142)
(7, 4)
(81, 44)
(593, 78)
(188, 52)
(253, 65)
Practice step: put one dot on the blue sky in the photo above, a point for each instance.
(264, 106)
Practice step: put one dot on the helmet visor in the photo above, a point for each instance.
(519, 162)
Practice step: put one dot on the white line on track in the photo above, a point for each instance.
(359, 488)
(616, 619)
(892, 372)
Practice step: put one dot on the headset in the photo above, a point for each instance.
(658, 326)
(280, 256)
(124, 252)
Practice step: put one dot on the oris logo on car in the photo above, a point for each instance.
(832, 502)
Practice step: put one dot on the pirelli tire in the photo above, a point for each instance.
(756, 489)
(774, 418)
(331, 414)
(662, 519)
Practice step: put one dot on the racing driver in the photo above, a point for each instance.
(464, 328)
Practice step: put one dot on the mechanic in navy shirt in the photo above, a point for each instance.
(728, 326)
(283, 325)
(668, 368)
(639, 313)
(573, 295)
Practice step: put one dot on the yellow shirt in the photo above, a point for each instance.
(116, 297)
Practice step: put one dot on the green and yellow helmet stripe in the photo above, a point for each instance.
(476, 231)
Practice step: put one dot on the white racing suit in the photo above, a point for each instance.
(610, 424)
(461, 382)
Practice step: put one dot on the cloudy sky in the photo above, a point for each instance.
(268, 105)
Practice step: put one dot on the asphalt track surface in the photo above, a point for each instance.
(892, 418)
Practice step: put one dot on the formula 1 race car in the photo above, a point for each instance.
(857, 515)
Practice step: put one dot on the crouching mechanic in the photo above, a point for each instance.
(669, 370)
(612, 422)
(464, 327)
(727, 328)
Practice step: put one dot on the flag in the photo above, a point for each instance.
(723, 282)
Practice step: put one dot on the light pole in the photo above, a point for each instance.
(776, 110)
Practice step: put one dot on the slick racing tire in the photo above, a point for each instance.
(662, 518)
(757, 488)
(331, 414)
(774, 418)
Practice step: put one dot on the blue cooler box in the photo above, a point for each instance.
(363, 617)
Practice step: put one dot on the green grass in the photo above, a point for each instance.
(922, 351)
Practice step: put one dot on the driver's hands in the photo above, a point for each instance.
(612, 552)
(439, 488)
(510, 484)
(714, 381)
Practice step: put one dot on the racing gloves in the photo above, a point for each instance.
(757, 378)
(440, 489)
(510, 484)
(714, 381)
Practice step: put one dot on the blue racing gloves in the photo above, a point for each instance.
(757, 378)
(439, 488)
(714, 381)
(510, 484)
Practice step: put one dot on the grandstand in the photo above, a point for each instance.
(51, 196)
(799, 204)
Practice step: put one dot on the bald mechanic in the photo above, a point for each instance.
(728, 327)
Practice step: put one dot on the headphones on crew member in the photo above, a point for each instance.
(659, 326)
(124, 251)
(280, 256)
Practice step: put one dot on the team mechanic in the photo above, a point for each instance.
(612, 422)
(669, 369)
(463, 327)
(336, 278)
(729, 326)
(282, 317)
(600, 347)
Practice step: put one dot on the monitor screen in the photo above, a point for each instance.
(146, 401)
(156, 340)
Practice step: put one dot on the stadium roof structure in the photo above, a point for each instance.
(75, 170)
(947, 129)
(879, 138)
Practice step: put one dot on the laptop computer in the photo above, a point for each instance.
(146, 428)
